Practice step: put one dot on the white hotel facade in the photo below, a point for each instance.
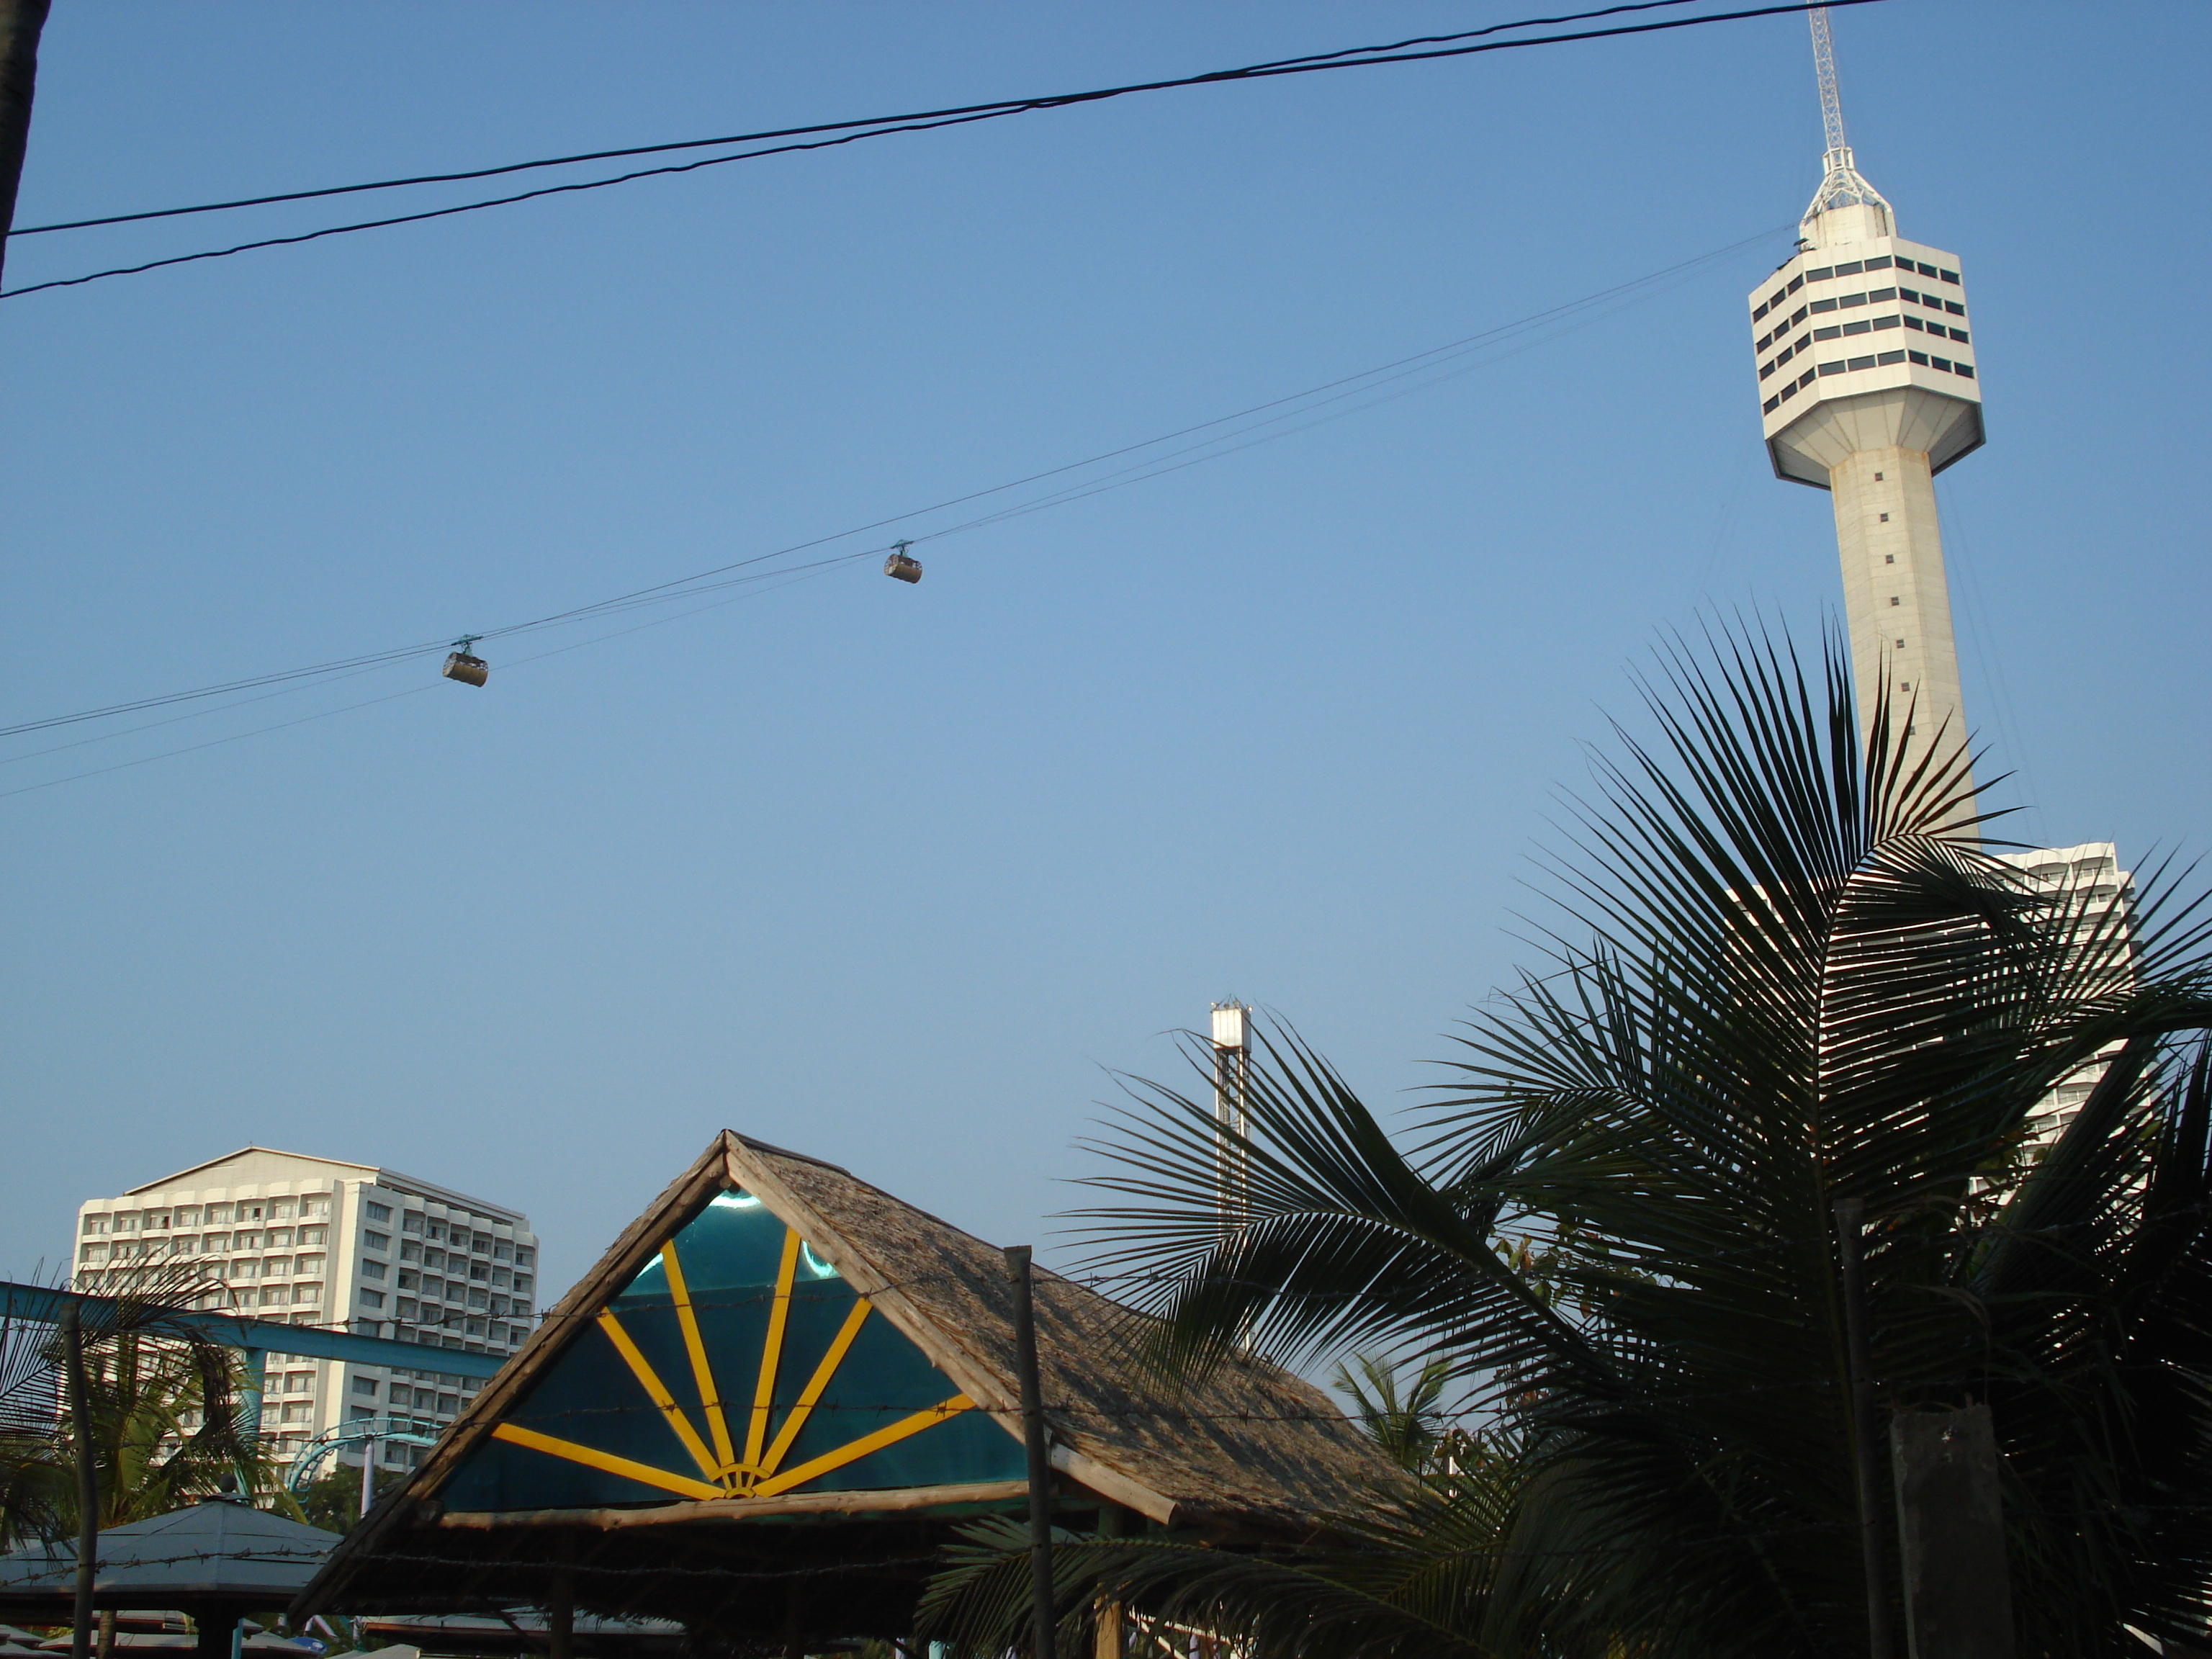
(346, 1247)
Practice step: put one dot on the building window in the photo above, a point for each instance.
(1769, 405)
(1916, 357)
(412, 1222)
(376, 1212)
(283, 1209)
(380, 1242)
(1885, 518)
(1889, 357)
(310, 1294)
(320, 1207)
(1822, 304)
(1882, 293)
(406, 1307)
(1888, 558)
(1893, 599)
(1943, 363)
(1913, 322)
(1862, 363)
(1881, 264)
(1819, 274)
(315, 1235)
(1831, 332)
(372, 1298)
(1966, 369)
(1832, 368)
(1757, 312)
(372, 1270)
(1959, 335)
(1886, 322)
(1948, 275)
(1795, 282)
(1859, 327)
(1853, 300)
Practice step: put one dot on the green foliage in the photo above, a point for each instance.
(1786, 975)
(160, 1415)
(333, 1499)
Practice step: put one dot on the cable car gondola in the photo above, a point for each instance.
(461, 665)
(900, 566)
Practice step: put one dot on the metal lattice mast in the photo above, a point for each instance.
(1840, 183)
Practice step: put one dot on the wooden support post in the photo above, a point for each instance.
(561, 1618)
(1850, 1215)
(1025, 1363)
(1112, 1521)
(1950, 1525)
(78, 1383)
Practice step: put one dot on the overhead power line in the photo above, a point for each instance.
(1416, 50)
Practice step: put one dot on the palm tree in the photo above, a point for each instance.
(1788, 972)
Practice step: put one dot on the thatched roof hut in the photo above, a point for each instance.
(767, 1406)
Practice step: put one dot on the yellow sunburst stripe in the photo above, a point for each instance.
(815, 1385)
(703, 1374)
(684, 1485)
(779, 1315)
(656, 1391)
(856, 1450)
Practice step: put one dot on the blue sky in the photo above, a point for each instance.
(902, 876)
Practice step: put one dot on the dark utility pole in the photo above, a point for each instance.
(79, 1385)
(21, 21)
(1850, 1215)
(1025, 1363)
(1950, 1524)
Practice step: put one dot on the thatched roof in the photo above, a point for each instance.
(1255, 1453)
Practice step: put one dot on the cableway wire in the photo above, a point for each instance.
(792, 579)
(677, 589)
(1350, 57)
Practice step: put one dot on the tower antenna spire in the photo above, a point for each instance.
(1840, 183)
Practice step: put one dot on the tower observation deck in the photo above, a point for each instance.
(1868, 386)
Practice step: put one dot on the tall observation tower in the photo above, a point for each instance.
(1867, 388)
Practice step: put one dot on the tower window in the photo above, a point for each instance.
(1798, 315)
(1948, 275)
(1849, 268)
(1966, 369)
(1927, 271)
(1862, 363)
(1914, 322)
(1909, 294)
(1918, 356)
(1882, 264)
(1829, 368)
(1959, 335)
(1954, 307)
(1885, 322)
(1877, 477)
(1859, 327)
(1890, 558)
(1831, 332)
(1797, 283)
(1890, 357)
(1765, 341)
(1885, 518)
(1882, 293)
(1893, 599)
(1901, 644)
(1819, 276)
(1943, 363)
(1852, 299)
(1757, 312)
(1769, 405)
(1821, 305)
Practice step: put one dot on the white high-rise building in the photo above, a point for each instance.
(1870, 387)
(348, 1247)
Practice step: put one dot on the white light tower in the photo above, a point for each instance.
(1868, 387)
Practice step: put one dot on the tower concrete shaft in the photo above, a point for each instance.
(1869, 387)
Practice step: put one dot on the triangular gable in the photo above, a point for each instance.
(736, 1362)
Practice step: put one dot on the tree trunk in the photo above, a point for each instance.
(20, 22)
